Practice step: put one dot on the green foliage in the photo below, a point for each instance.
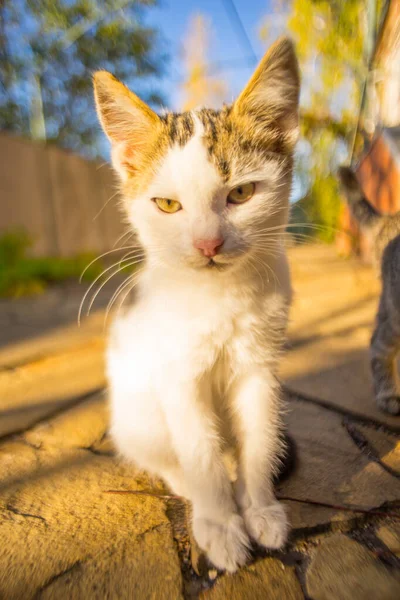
(321, 207)
(329, 38)
(48, 52)
(21, 274)
(332, 34)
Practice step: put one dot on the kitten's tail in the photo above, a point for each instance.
(360, 208)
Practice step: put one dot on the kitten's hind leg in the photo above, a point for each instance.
(385, 344)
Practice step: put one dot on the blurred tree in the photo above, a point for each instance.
(48, 51)
(200, 88)
(330, 38)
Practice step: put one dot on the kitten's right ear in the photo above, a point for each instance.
(127, 121)
(272, 94)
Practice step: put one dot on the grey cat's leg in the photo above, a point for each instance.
(384, 347)
(385, 343)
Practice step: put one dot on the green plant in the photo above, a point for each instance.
(21, 274)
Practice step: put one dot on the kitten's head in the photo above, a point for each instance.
(202, 188)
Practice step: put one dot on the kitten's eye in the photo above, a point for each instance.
(241, 193)
(167, 205)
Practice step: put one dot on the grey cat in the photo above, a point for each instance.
(385, 342)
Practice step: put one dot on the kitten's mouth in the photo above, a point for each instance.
(217, 266)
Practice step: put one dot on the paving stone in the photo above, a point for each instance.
(79, 427)
(268, 578)
(35, 390)
(336, 370)
(17, 460)
(389, 534)
(62, 516)
(143, 568)
(342, 569)
(34, 326)
(386, 445)
(332, 320)
(330, 469)
(304, 518)
(104, 446)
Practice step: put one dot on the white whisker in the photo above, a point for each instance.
(120, 288)
(94, 283)
(119, 270)
(102, 256)
(104, 205)
(121, 237)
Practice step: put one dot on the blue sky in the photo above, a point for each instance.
(172, 17)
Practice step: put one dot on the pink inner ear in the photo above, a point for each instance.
(129, 152)
(124, 154)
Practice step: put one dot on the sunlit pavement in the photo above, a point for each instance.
(66, 535)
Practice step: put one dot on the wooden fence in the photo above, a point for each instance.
(64, 201)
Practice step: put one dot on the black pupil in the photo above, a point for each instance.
(240, 191)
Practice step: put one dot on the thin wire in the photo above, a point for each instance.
(237, 23)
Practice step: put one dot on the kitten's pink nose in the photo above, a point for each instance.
(209, 247)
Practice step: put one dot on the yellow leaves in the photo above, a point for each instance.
(329, 40)
(200, 88)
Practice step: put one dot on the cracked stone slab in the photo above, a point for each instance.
(104, 446)
(80, 427)
(342, 569)
(267, 578)
(61, 516)
(17, 460)
(332, 319)
(385, 444)
(336, 369)
(144, 568)
(33, 391)
(330, 470)
(389, 534)
(35, 326)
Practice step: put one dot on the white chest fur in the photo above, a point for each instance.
(183, 331)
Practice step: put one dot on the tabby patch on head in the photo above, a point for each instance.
(179, 171)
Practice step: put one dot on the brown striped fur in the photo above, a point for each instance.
(261, 121)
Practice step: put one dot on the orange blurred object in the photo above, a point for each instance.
(378, 173)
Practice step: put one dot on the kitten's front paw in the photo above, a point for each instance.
(267, 525)
(226, 544)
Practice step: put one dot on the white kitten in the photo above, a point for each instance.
(192, 365)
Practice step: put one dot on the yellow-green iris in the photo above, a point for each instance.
(241, 193)
(167, 205)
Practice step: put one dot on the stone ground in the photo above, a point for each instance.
(77, 523)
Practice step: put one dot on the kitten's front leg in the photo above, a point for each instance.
(256, 399)
(217, 526)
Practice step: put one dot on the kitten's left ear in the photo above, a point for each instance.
(272, 94)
